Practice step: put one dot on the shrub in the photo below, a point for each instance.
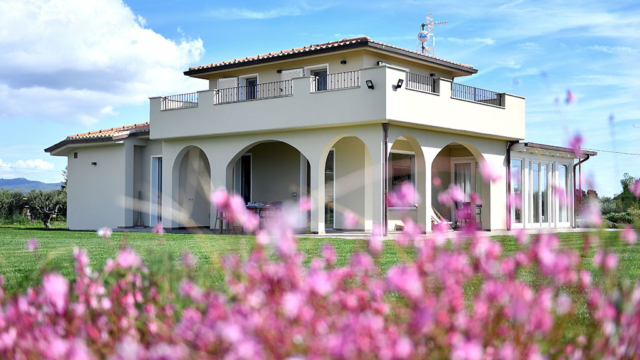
(458, 298)
(11, 203)
(609, 205)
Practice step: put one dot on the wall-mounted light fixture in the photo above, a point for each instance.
(380, 63)
(343, 62)
(432, 74)
(94, 163)
(399, 84)
(369, 84)
(279, 71)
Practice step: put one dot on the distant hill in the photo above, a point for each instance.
(26, 185)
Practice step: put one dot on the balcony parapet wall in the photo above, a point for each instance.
(305, 108)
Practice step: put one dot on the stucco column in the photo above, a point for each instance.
(375, 144)
(317, 195)
(129, 196)
(221, 178)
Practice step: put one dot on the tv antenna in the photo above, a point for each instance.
(426, 39)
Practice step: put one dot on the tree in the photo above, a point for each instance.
(626, 197)
(44, 205)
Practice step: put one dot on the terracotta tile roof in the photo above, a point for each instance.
(113, 132)
(331, 45)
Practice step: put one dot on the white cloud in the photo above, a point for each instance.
(619, 50)
(76, 58)
(296, 9)
(471, 41)
(36, 165)
(108, 110)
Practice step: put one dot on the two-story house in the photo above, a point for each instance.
(341, 123)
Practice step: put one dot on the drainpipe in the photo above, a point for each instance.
(575, 205)
(385, 186)
(509, 146)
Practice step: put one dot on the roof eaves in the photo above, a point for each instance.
(557, 148)
(277, 57)
(88, 140)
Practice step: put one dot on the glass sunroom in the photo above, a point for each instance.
(542, 193)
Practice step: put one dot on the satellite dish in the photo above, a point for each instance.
(423, 36)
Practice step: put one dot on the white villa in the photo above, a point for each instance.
(342, 123)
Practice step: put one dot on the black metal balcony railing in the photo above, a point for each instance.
(421, 83)
(260, 91)
(344, 80)
(180, 101)
(471, 93)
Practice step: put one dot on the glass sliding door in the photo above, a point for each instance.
(562, 186)
(462, 178)
(329, 178)
(516, 186)
(535, 189)
(544, 201)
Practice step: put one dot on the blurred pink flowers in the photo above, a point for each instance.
(56, 288)
(158, 229)
(629, 235)
(127, 258)
(104, 233)
(451, 196)
(575, 143)
(491, 173)
(32, 244)
(405, 196)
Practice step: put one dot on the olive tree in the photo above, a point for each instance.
(44, 205)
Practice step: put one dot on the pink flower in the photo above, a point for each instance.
(490, 173)
(515, 200)
(350, 220)
(158, 229)
(576, 144)
(635, 188)
(305, 204)
(405, 196)
(329, 253)
(452, 195)
(560, 195)
(220, 198)
(56, 288)
(104, 233)
(403, 348)
(127, 258)
(7, 339)
(32, 244)
(571, 99)
(291, 304)
(591, 214)
(189, 260)
(521, 236)
(629, 235)
(375, 240)
(262, 237)
(470, 350)
(320, 283)
(436, 181)
(405, 279)
(563, 304)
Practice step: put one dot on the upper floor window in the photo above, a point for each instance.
(252, 88)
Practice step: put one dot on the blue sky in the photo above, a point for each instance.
(86, 65)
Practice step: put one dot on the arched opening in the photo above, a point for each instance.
(459, 163)
(270, 175)
(192, 186)
(407, 166)
(348, 175)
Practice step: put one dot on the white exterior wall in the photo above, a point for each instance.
(96, 194)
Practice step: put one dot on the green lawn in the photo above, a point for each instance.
(20, 268)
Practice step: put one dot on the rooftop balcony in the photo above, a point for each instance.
(356, 97)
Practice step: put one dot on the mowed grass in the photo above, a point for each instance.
(21, 269)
